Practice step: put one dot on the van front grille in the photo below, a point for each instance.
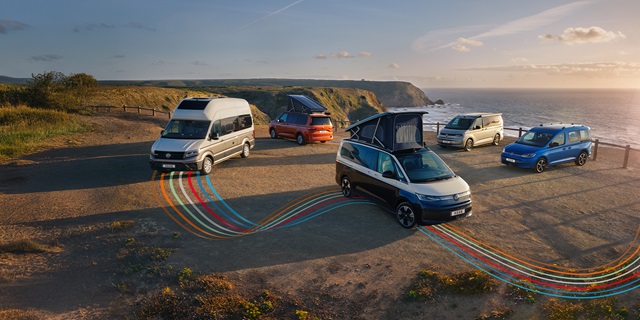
(169, 155)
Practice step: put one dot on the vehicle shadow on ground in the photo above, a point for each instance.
(78, 168)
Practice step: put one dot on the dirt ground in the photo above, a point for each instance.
(70, 195)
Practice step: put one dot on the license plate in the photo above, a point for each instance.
(446, 141)
(510, 160)
(169, 166)
(457, 212)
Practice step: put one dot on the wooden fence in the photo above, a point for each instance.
(136, 108)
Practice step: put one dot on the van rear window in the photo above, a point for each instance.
(320, 120)
(193, 104)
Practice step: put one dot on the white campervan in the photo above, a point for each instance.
(203, 132)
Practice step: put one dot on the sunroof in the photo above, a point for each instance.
(193, 104)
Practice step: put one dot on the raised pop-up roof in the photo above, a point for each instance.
(304, 104)
(391, 130)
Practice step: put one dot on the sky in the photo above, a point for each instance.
(432, 44)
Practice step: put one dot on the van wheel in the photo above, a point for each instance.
(273, 133)
(405, 215)
(245, 150)
(582, 158)
(207, 165)
(468, 145)
(496, 139)
(540, 165)
(300, 139)
(346, 187)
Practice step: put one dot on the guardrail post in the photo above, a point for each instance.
(595, 149)
(169, 113)
(153, 112)
(627, 148)
(138, 109)
(124, 108)
(437, 128)
(519, 132)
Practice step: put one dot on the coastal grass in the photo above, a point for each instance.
(24, 129)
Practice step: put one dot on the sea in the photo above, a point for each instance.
(612, 114)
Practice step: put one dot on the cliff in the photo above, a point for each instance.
(390, 93)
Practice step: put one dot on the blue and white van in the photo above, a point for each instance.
(385, 157)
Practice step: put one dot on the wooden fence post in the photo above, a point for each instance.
(627, 148)
(153, 112)
(138, 109)
(595, 149)
(519, 132)
(437, 128)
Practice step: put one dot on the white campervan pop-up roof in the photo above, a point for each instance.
(207, 108)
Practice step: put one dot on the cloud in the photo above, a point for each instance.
(45, 57)
(365, 54)
(11, 25)
(271, 14)
(136, 25)
(342, 54)
(93, 26)
(321, 56)
(588, 35)
(519, 60)
(394, 66)
(590, 69)
(460, 48)
(471, 42)
(433, 42)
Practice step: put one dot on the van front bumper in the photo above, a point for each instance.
(450, 142)
(174, 166)
(431, 215)
(518, 161)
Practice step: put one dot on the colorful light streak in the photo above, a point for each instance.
(200, 210)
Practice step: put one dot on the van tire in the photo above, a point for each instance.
(468, 145)
(273, 134)
(245, 150)
(346, 187)
(581, 160)
(540, 165)
(406, 215)
(207, 165)
(300, 139)
(496, 139)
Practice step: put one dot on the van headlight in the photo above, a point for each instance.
(528, 155)
(191, 153)
(424, 197)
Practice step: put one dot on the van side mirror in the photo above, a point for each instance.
(214, 135)
(162, 132)
(388, 175)
(477, 128)
(553, 144)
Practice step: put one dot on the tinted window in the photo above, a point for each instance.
(193, 104)
(243, 122)
(460, 123)
(533, 138)
(283, 117)
(424, 167)
(492, 121)
(186, 129)
(322, 121)
(361, 155)
(296, 118)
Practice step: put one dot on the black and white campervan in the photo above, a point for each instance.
(385, 157)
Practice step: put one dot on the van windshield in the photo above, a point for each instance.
(186, 129)
(536, 139)
(460, 123)
(424, 167)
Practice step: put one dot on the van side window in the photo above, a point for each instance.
(558, 140)
(368, 157)
(574, 136)
(385, 163)
(282, 117)
(584, 135)
(477, 124)
(227, 125)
